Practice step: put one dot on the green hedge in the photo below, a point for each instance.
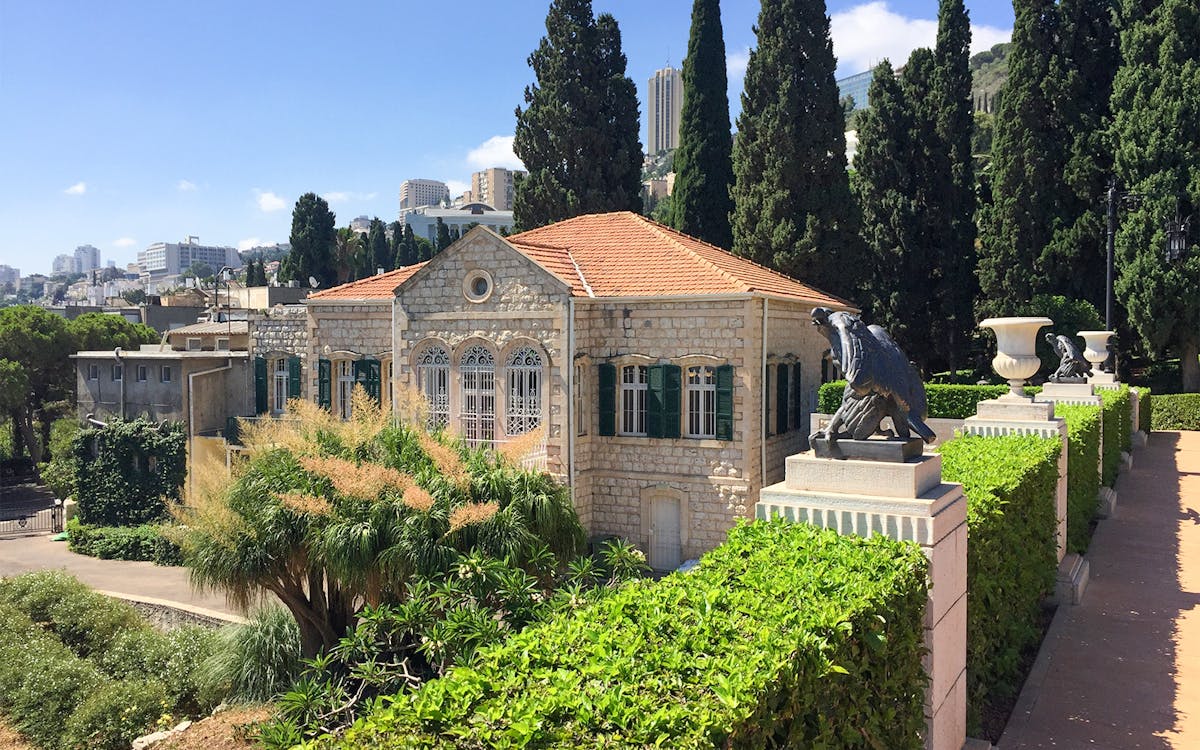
(1145, 410)
(127, 469)
(1010, 484)
(785, 636)
(1176, 411)
(1117, 424)
(85, 621)
(145, 542)
(945, 401)
(1083, 471)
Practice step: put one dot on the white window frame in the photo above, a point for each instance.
(581, 413)
(523, 409)
(194, 344)
(633, 386)
(279, 382)
(343, 373)
(222, 344)
(93, 372)
(700, 395)
(433, 380)
(164, 373)
(118, 373)
(477, 374)
(142, 373)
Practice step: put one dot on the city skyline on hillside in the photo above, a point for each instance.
(150, 123)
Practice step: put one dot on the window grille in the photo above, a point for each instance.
(524, 408)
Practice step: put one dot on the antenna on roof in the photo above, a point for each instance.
(312, 282)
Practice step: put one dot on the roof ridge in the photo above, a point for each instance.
(375, 277)
(669, 236)
(582, 279)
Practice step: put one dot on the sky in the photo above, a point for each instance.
(124, 123)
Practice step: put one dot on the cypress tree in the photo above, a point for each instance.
(1157, 153)
(378, 250)
(312, 240)
(1027, 161)
(578, 134)
(791, 193)
(443, 235)
(700, 202)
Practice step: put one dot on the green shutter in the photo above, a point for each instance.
(797, 400)
(725, 402)
(293, 377)
(260, 385)
(607, 399)
(324, 384)
(781, 400)
(672, 393)
(372, 383)
(655, 378)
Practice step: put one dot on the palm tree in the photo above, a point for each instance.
(347, 252)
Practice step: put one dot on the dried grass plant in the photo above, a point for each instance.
(518, 449)
(473, 513)
(366, 481)
(304, 503)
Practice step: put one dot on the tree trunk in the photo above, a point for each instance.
(1190, 365)
(24, 421)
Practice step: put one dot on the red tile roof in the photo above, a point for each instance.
(382, 286)
(623, 254)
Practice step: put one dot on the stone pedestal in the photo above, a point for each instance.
(1102, 379)
(1068, 393)
(1013, 416)
(908, 501)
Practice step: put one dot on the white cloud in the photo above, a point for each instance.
(124, 242)
(185, 186)
(496, 151)
(457, 187)
(736, 62)
(268, 201)
(250, 243)
(865, 34)
(78, 188)
(341, 196)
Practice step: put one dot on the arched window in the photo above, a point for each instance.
(477, 368)
(433, 380)
(524, 368)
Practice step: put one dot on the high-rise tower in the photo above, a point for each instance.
(664, 99)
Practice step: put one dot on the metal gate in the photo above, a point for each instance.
(18, 519)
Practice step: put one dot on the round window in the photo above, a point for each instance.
(477, 286)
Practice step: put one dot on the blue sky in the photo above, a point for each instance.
(125, 123)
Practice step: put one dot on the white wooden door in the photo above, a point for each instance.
(666, 548)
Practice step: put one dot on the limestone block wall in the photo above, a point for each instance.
(350, 327)
(280, 330)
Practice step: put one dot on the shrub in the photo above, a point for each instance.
(1083, 471)
(1145, 410)
(1010, 483)
(252, 662)
(1178, 411)
(170, 658)
(1114, 406)
(85, 621)
(146, 542)
(786, 635)
(126, 469)
(60, 473)
(114, 715)
(945, 401)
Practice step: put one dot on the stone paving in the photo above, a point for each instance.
(1122, 670)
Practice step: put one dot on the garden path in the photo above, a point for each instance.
(138, 579)
(1122, 670)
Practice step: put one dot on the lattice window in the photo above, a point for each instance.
(433, 380)
(280, 370)
(701, 402)
(477, 368)
(524, 412)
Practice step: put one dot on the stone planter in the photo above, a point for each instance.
(1095, 353)
(1016, 357)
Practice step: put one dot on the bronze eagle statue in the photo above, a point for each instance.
(880, 381)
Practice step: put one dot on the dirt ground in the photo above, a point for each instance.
(225, 731)
(10, 740)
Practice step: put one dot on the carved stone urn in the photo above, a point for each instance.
(1016, 357)
(1097, 346)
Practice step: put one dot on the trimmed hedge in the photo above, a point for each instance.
(1083, 471)
(1176, 411)
(785, 636)
(145, 542)
(1010, 483)
(1145, 410)
(945, 401)
(1117, 423)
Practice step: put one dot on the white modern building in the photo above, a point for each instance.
(664, 102)
(423, 220)
(172, 258)
(10, 275)
(495, 187)
(361, 224)
(64, 264)
(415, 193)
(88, 258)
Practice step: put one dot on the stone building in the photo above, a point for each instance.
(668, 378)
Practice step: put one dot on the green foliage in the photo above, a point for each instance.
(1010, 483)
(253, 662)
(945, 401)
(39, 342)
(114, 715)
(1069, 315)
(700, 203)
(1083, 471)
(578, 132)
(171, 659)
(104, 332)
(61, 472)
(85, 621)
(792, 205)
(1117, 428)
(1177, 411)
(127, 471)
(145, 542)
(786, 634)
(312, 240)
(380, 251)
(1155, 109)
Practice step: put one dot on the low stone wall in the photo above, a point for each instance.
(168, 615)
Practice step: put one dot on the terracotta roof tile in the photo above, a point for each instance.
(623, 254)
(382, 286)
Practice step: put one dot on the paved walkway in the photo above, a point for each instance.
(139, 579)
(1122, 670)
